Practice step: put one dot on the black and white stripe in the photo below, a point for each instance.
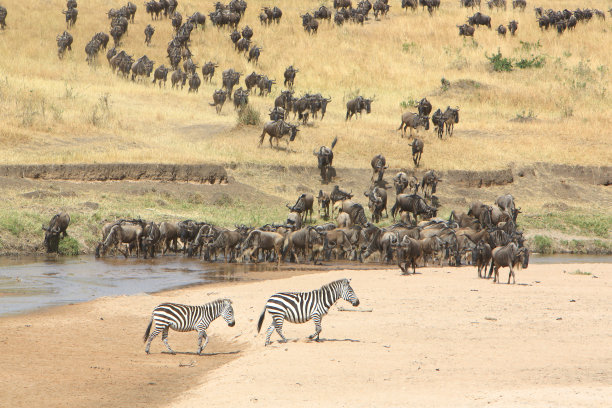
(186, 318)
(300, 307)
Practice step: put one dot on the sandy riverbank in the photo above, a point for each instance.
(440, 338)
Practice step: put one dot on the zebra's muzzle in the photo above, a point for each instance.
(356, 303)
(231, 324)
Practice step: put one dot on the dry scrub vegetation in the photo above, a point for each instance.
(65, 111)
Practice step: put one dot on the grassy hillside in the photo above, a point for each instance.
(66, 111)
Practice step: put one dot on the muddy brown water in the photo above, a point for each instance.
(30, 283)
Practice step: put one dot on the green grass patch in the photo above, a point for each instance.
(579, 272)
(543, 244)
(249, 116)
(68, 246)
(598, 225)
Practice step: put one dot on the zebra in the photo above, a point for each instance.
(300, 307)
(186, 318)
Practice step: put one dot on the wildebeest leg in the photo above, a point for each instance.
(511, 273)
(262, 137)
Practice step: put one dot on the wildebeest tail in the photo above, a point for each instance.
(148, 331)
(334, 142)
(261, 319)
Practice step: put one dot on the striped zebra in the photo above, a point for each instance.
(300, 307)
(186, 318)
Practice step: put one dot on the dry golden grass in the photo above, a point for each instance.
(68, 112)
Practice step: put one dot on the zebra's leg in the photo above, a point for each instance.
(165, 340)
(205, 337)
(277, 323)
(150, 339)
(317, 321)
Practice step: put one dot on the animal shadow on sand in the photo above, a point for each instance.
(193, 353)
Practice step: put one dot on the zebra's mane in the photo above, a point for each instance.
(220, 301)
(334, 283)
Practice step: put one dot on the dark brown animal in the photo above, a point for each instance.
(58, 225)
(417, 151)
(413, 121)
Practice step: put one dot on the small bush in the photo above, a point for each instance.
(543, 244)
(499, 62)
(579, 272)
(410, 47)
(445, 84)
(409, 103)
(68, 246)
(535, 62)
(248, 116)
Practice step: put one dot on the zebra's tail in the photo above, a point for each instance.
(261, 319)
(146, 335)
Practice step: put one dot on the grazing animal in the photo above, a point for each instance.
(413, 204)
(401, 181)
(479, 19)
(510, 256)
(264, 240)
(303, 205)
(379, 165)
(325, 158)
(184, 318)
(230, 79)
(482, 257)
(254, 54)
(168, 235)
(58, 225)
(501, 30)
(277, 130)
(161, 74)
(290, 76)
(417, 151)
(377, 202)
(208, 70)
(64, 42)
(219, 98)
(300, 307)
(466, 30)
(506, 203)
(450, 116)
(241, 98)
(71, 16)
(3, 14)
(150, 239)
(194, 82)
(177, 77)
(413, 121)
(149, 31)
(408, 252)
(512, 26)
(520, 4)
(324, 199)
(429, 183)
(357, 105)
(424, 107)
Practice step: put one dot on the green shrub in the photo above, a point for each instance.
(543, 244)
(499, 62)
(248, 116)
(535, 62)
(68, 246)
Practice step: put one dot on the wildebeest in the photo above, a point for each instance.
(254, 54)
(142, 67)
(520, 4)
(64, 42)
(342, 4)
(450, 117)
(277, 130)
(429, 183)
(117, 32)
(247, 32)
(438, 121)
(501, 30)
(310, 24)
(241, 98)
(290, 76)
(277, 113)
(197, 18)
(379, 165)
(479, 19)
(103, 38)
(303, 205)
(230, 78)
(482, 257)
(58, 225)
(408, 252)
(322, 13)
(265, 85)
(466, 30)
(413, 204)
(512, 26)
(168, 235)
(424, 107)
(506, 203)
(497, 3)
(219, 97)
(91, 49)
(194, 82)
(413, 121)
(121, 234)
(208, 70)
(161, 74)
(177, 77)
(151, 237)
(401, 180)
(357, 105)
(377, 202)
(71, 16)
(264, 240)
(3, 14)
(323, 199)
(149, 30)
(417, 151)
(510, 256)
(325, 158)
(413, 4)
(251, 80)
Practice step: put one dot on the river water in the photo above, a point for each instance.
(30, 283)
